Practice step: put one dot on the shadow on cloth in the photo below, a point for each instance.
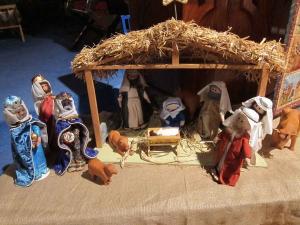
(267, 148)
(87, 176)
(9, 170)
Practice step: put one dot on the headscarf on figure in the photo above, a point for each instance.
(44, 104)
(264, 107)
(233, 145)
(256, 134)
(172, 112)
(216, 103)
(29, 138)
(133, 99)
(72, 136)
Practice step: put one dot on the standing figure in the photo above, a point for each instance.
(233, 146)
(44, 104)
(215, 103)
(263, 106)
(72, 136)
(172, 112)
(29, 138)
(133, 99)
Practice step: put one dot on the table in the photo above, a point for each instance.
(152, 194)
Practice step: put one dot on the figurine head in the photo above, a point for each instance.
(214, 92)
(133, 74)
(133, 77)
(242, 120)
(15, 111)
(64, 105)
(171, 107)
(40, 86)
(261, 106)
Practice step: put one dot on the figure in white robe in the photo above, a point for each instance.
(134, 101)
(263, 106)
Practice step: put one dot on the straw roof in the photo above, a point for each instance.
(196, 45)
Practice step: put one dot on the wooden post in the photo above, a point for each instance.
(262, 86)
(93, 106)
(175, 54)
(21, 33)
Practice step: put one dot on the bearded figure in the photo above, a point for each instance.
(133, 99)
(215, 103)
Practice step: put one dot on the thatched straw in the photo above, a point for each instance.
(196, 44)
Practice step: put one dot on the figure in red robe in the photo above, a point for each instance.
(44, 104)
(233, 146)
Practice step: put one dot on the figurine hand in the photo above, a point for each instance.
(216, 139)
(182, 123)
(35, 140)
(120, 101)
(39, 141)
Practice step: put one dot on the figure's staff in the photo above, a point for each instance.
(167, 2)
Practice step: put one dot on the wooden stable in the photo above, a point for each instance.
(89, 69)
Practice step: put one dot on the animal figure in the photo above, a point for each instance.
(190, 100)
(118, 142)
(97, 168)
(288, 129)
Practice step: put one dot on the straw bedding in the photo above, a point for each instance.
(196, 45)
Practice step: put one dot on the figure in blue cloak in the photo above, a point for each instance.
(172, 113)
(72, 137)
(29, 139)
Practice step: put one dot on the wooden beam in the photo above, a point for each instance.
(9, 27)
(21, 33)
(175, 54)
(171, 66)
(262, 86)
(93, 106)
(11, 6)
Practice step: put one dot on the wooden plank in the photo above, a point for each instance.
(175, 54)
(11, 6)
(171, 66)
(9, 27)
(21, 33)
(262, 86)
(93, 106)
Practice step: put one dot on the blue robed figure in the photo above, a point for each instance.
(172, 112)
(29, 139)
(72, 137)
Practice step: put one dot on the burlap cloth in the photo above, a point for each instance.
(154, 194)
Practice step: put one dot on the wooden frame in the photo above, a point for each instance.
(175, 65)
(287, 91)
(17, 25)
